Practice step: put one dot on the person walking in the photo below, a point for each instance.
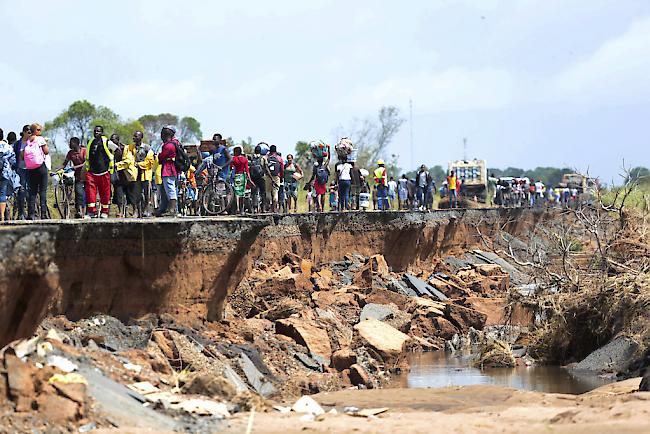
(258, 171)
(169, 174)
(319, 177)
(392, 192)
(344, 180)
(292, 174)
(99, 167)
(221, 157)
(242, 177)
(127, 172)
(7, 174)
(403, 192)
(34, 153)
(21, 170)
(423, 178)
(451, 190)
(77, 157)
(144, 162)
(381, 185)
(275, 171)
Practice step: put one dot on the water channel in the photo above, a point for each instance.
(440, 369)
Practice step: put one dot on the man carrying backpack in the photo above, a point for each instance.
(381, 184)
(319, 177)
(258, 171)
(99, 167)
(170, 152)
(275, 170)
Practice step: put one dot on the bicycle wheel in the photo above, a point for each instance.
(60, 202)
(218, 197)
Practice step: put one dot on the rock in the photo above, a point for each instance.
(57, 409)
(495, 354)
(284, 273)
(209, 385)
(343, 359)
(359, 376)
(379, 312)
(645, 382)
(20, 382)
(73, 391)
(166, 345)
(375, 266)
(445, 329)
(308, 362)
(616, 356)
(291, 258)
(423, 288)
(306, 404)
(464, 318)
(306, 267)
(385, 339)
(488, 269)
(255, 378)
(305, 333)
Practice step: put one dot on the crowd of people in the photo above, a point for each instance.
(142, 182)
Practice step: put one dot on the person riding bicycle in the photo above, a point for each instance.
(221, 156)
(77, 157)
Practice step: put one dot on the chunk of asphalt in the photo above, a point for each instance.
(255, 378)
(308, 362)
(123, 406)
(423, 288)
(398, 287)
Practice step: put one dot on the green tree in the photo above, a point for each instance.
(189, 130)
(153, 124)
(302, 154)
(75, 121)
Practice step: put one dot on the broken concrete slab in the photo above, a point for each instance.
(615, 356)
(308, 334)
(382, 337)
(517, 277)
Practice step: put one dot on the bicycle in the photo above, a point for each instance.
(217, 196)
(63, 192)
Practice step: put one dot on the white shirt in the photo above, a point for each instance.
(392, 186)
(344, 171)
(539, 186)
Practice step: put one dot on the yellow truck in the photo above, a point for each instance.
(473, 175)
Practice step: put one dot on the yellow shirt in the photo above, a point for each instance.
(451, 182)
(146, 166)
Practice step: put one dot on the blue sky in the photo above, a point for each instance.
(528, 82)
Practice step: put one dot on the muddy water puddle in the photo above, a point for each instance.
(440, 369)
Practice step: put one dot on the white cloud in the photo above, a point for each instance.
(452, 89)
(617, 72)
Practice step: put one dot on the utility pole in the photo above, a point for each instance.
(411, 128)
(464, 148)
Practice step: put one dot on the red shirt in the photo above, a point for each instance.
(240, 164)
(77, 158)
(166, 158)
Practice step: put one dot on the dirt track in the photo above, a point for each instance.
(612, 408)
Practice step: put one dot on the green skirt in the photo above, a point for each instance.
(240, 184)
